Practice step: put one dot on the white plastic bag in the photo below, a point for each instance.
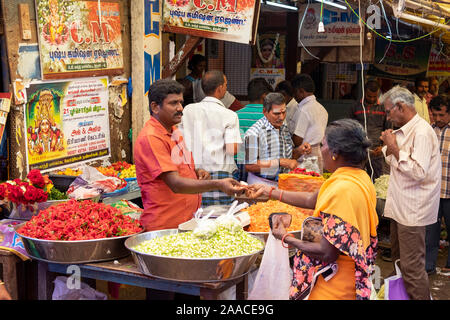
(62, 291)
(274, 275)
(310, 163)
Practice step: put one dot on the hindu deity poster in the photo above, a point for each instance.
(66, 123)
(79, 38)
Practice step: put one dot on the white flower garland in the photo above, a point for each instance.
(273, 49)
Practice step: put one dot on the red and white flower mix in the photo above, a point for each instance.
(79, 220)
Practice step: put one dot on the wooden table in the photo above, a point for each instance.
(126, 272)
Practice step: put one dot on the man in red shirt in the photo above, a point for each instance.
(170, 185)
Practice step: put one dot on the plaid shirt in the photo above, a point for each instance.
(444, 146)
(263, 142)
(216, 197)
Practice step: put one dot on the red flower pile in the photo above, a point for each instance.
(33, 190)
(120, 165)
(303, 171)
(79, 220)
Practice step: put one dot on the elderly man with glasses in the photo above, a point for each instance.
(412, 202)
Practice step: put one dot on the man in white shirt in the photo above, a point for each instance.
(311, 117)
(420, 101)
(211, 132)
(412, 200)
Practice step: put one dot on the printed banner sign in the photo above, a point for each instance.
(229, 20)
(67, 123)
(439, 64)
(341, 27)
(79, 38)
(405, 61)
(273, 76)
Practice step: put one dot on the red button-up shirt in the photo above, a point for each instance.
(157, 151)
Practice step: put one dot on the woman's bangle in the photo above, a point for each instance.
(284, 237)
(281, 194)
(270, 192)
(1, 283)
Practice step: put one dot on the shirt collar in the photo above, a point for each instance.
(270, 127)
(418, 98)
(306, 100)
(409, 125)
(160, 127)
(213, 99)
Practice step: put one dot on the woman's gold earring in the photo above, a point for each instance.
(334, 158)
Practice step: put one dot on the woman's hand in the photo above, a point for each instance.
(257, 190)
(279, 225)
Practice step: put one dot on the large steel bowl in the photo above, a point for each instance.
(75, 252)
(187, 269)
(264, 235)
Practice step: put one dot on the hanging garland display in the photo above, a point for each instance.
(273, 49)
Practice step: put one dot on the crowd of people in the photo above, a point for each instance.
(197, 154)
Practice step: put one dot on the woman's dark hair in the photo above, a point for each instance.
(160, 89)
(256, 88)
(195, 60)
(271, 99)
(212, 80)
(347, 138)
(303, 81)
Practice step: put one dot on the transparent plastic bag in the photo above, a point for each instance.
(310, 163)
(274, 275)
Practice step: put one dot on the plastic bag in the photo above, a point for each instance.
(310, 163)
(91, 183)
(62, 292)
(394, 288)
(274, 275)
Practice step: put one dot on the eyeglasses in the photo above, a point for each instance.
(388, 111)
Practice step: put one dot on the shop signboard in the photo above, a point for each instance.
(79, 38)
(341, 27)
(228, 20)
(273, 76)
(66, 122)
(403, 61)
(439, 64)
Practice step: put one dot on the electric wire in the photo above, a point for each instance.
(396, 41)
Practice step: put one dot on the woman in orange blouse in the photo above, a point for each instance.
(337, 267)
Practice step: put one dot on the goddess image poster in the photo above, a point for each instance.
(79, 38)
(66, 123)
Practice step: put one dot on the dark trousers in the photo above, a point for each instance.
(408, 245)
(433, 233)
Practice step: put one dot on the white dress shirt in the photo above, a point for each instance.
(415, 178)
(291, 109)
(311, 120)
(207, 127)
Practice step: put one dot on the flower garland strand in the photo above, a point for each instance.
(273, 49)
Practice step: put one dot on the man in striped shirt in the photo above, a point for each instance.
(412, 201)
(441, 115)
(269, 149)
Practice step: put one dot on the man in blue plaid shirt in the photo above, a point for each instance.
(441, 116)
(269, 149)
